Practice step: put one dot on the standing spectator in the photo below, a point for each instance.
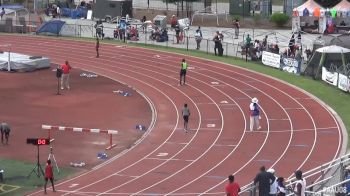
(49, 175)
(198, 37)
(144, 25)
(5, 130)
(173, 22)
(185, 114)
(177, 31)
(58, 11)
(2, 13)
(299, 59)
(273, 186)
(232, 188)
(183, 72)
(217, 41)
(236, 26)
(248, 41)
(264, 43)
(97, 47)
(254, 114)
(300, 184)
(264, 179)
(65, 76)
(281, 188)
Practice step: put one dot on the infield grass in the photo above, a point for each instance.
(16, 181)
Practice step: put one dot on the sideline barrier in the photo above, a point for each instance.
(76, 129)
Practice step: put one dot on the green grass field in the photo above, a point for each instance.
(16, 181)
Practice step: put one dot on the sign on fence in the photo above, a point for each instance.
(344, 82)
(271, 59)
(329, 77)
(289, 65)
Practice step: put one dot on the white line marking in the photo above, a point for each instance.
(73, 185)
(162, 154)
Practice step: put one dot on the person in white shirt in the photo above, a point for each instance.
(273, 185)
(300, 184)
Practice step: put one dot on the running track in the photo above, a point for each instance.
(298, 131)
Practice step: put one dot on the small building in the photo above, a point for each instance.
(113, 8)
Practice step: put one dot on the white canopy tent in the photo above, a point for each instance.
(306, 16)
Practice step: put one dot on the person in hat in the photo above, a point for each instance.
(273, 186)
(254, 114)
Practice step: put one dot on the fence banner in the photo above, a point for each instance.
(344, 82)
(271, 59)
(329, 77)
(289, 65)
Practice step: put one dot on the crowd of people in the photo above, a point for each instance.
(268, 184)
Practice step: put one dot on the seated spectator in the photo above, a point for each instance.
(342, 23)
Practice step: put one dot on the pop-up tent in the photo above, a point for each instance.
(307, 16)
(342, 10)
(335, 56)
(52, 27)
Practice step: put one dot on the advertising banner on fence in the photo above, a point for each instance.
(344, 82)
(329, 77)
(271, 59)
(289, 65)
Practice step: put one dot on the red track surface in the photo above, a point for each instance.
(298, 131)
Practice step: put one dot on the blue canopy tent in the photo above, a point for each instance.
(52, 27)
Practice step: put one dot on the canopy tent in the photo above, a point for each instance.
(309, 8)
(52, 27)
(330, 57)
(307, 16)
(344, 5)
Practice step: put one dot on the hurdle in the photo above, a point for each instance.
(76, 129)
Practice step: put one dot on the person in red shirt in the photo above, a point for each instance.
(232, 188)
(65, 76)
(49, 175)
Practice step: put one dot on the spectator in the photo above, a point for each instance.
(217, 41)
(173, 22)
(248, 41)
(65, 76)
(300, 184)
(177, 31)
(49, 175)
(144, 25)
(342, 23)
(5, 131)
(299, 59)
(232, 188)
(273, 186)
(264, 179)
(264, 43)
(347, 177)
(198, 37)
(2, 13)
(254, 114)
(236, 26)
(281, 188)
